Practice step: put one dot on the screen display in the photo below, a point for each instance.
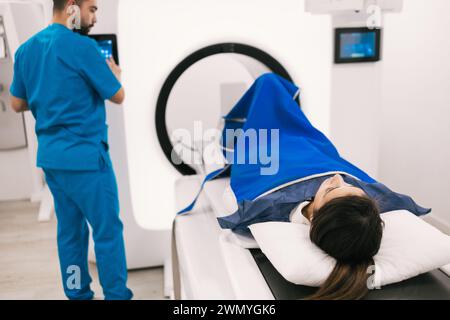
(107, 44)
(106, 47)
(357, 45)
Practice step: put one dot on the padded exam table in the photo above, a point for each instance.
(433, 285)
(210, 268)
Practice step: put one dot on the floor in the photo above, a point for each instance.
(29, 260)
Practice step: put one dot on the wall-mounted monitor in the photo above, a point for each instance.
(108, 45)
(357, 45)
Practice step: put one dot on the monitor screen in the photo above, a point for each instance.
(106, 48)
(357, 45)
(108, 45)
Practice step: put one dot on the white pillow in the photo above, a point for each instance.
(409, 247)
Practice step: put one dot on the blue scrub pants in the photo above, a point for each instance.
(83, 197)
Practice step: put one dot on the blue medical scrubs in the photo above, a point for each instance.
(65, 80)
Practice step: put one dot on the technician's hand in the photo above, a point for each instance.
(114, 68)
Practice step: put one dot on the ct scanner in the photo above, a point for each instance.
(185, 63)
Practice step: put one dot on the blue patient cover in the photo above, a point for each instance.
(303, 151)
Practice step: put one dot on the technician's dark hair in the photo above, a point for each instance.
(349, 229)
(59, 5)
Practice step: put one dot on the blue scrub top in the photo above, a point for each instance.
(65, 80)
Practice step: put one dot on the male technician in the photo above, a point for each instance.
(62, 78)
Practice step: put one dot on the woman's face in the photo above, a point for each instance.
(332, 188)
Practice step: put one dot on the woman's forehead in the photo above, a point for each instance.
(344, 191)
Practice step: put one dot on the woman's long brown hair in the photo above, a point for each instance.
(350, 230)
(346, 282)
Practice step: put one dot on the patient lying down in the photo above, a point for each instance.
(342, 210)
(346, 224)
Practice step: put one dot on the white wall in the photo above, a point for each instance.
(19, 178)
(415, 140)
(355, 104)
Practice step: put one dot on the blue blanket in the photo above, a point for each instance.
(302, 150)
(279, 159)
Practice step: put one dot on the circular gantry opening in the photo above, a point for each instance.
(200, 90)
